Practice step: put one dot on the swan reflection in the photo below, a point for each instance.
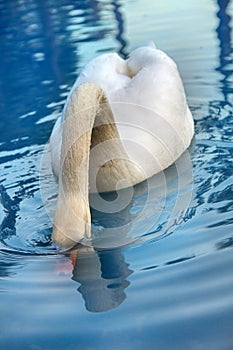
(100, 269)
(102, 275)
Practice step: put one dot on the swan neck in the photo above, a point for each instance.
(89, 126)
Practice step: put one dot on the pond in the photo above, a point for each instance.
(164, 279)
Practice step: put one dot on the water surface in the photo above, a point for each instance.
(164, 278)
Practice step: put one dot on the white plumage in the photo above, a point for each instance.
(147, 98)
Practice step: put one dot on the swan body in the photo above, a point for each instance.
(133, 115)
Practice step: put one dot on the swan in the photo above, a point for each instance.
(123, 121)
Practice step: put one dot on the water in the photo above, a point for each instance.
(164, 279)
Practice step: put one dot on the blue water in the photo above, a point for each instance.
(160, 274)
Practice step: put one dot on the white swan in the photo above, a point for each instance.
(134, 117)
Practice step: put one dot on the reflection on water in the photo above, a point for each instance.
(120, 28)
(45, 51)
(172, 281)
(216, 127)
(102, 275)
(225, 56)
